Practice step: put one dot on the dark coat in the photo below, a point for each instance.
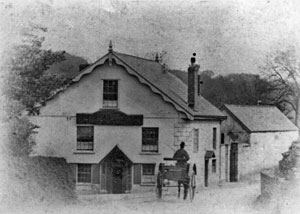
(181, 154)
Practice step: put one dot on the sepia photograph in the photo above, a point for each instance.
(150, 106)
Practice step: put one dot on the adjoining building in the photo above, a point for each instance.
(121, 116)
(253, 138)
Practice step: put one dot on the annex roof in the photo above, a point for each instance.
(260, 118)
(161, 82)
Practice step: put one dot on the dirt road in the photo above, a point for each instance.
(230, 198)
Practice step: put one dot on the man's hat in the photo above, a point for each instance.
(182, 144)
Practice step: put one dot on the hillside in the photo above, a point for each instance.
(36, 180)
(69, 68)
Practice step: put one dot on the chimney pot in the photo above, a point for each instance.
(156, 57)
(193, 59)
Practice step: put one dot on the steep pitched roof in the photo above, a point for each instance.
(161, 82)
(260, 118)
(169, 84)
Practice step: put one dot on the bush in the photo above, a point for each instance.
(289, 165)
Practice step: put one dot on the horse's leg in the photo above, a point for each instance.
(179, 184)
(185, 186)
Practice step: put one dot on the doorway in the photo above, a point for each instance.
(233, 162)
(117, 176)
(116, 172)
(206, 172)
(208, 155)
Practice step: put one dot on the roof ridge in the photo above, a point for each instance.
(258, 106)
(137, 57)
(177, 78)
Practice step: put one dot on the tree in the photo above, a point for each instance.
(289, 164)
(238, 89)
(26, 80)
(26, 85)
(282, 71)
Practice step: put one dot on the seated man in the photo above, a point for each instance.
(181, 155)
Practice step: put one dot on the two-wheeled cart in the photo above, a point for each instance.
(180, 173)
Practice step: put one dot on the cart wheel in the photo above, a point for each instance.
(159, 184)
(192, 186)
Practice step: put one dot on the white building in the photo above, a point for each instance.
(121, 116)
(253, 138)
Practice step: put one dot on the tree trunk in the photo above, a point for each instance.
(297, 115)
(297, 112)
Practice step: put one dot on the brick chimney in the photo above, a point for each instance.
(193, 84)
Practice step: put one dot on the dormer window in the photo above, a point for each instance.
(110, 93)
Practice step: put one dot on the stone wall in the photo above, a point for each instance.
(184, 131)
(270, 183)
(278, 194)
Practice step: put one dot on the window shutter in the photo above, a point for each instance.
(137, 174)
(96, 173)
(222, 138)
(103, 176)
(196, 140)
(73, 167)
(128, 181)
(214, 138)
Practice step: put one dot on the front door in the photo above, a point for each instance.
(117, 176)
(206, 172)
(116, 172)
(233, 162)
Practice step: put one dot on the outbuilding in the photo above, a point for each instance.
(253, 138)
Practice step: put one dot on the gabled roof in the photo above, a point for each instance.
(161, 82)
(260, 118)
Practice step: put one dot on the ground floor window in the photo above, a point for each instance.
(148, 169)
(148, 173)
(84, 173)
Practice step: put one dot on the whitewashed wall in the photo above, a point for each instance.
(57, 135)
(264, 151)
(57, 121)
(260, 150)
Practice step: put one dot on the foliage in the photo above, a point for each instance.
(26, 85)
(26, 80)
(282, 71)
(239, 89)
(289, 165)
(19, 136)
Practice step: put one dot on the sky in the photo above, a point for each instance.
(228, 36)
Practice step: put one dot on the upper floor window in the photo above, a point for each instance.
(214, 138)
(85, 138)
(149, 139)
(84, 173)
(110, 93)
(196, 140)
